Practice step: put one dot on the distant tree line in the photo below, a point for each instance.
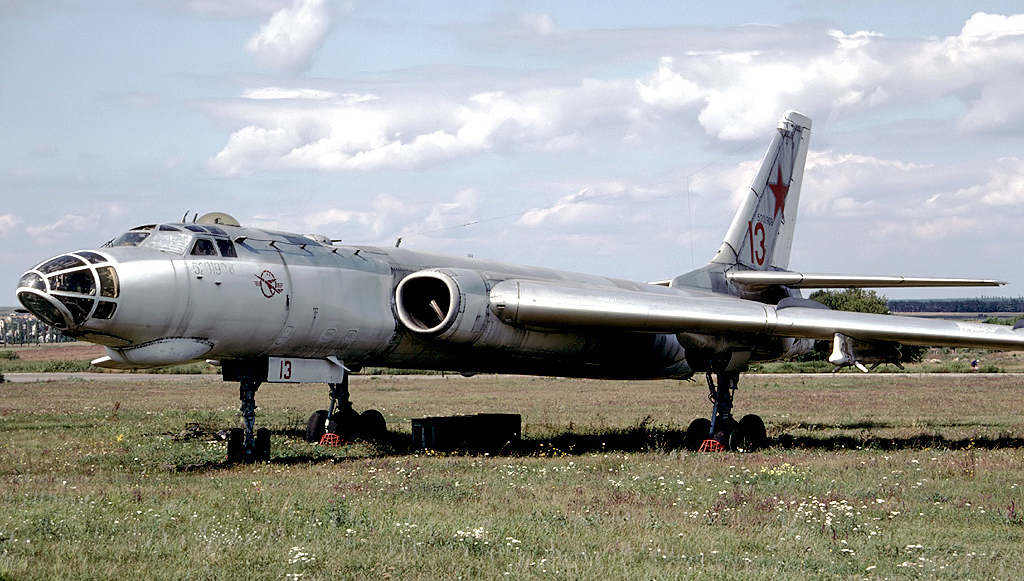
(975, 305)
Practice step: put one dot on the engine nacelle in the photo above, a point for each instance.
(847, 351)
(450, 304)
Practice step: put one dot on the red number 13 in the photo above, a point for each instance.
(757, 252)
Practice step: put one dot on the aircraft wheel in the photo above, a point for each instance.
(698, 431)
(262, 452)
(724, 431)
(751, 433)
(236, 445)
(316, 426)
(344, 423)
(372, 424)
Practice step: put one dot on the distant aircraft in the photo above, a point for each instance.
(279, 307)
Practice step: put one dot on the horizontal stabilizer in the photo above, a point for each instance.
(759, 279)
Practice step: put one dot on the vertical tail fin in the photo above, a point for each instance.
(761, 234)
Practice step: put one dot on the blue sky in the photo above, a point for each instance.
(605, 137)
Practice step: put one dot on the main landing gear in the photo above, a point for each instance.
(341, 419)
(747, 434)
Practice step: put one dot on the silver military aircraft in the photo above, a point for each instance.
(279, 307)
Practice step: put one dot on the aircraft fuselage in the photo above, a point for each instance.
(187, 292)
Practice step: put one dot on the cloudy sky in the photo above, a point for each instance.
(604, 136)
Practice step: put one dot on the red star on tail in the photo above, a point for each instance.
(780, 192)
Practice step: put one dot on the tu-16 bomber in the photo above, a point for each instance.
(283, 308)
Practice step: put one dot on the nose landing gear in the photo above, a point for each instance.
(248, 445)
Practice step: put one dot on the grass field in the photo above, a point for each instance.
(870, 477)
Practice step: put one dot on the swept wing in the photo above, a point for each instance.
(551, 306)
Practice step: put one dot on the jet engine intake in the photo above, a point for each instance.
(449, 304)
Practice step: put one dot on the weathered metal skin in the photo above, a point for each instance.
(290, 296)
(169, 293)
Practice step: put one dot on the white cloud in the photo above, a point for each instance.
(359, 132)
(455, 213)
(598, 208)
(229, 8)
(270, 93)
(1004, 188)
(290, 39)
(983, 26)
(733, 94)
(847, 185)
(743, 92)
(9, 224)
(668, 89)
(66, 224)
(540, 24)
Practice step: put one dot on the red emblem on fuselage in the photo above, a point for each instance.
(268, 284)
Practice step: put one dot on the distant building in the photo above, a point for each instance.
(24, 329)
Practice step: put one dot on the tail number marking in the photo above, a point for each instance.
(757, 250)
(285, 370)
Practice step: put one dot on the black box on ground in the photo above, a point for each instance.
(491, 433)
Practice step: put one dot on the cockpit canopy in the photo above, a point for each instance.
(69, 289)
(194, 239)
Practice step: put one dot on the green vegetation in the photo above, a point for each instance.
(1003, 320)
(898, 477)
(78, 366)
(861, 301)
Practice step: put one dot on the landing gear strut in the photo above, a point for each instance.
(248, 445)
(343, 420)
(747, 434)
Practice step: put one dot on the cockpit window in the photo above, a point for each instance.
(105, 310)
(108, 282)
(32, 280)
(60, 263)
(91, 257)
(169, 228)
(203, 247)
(133, 238)
(78, 307)
(172, 242)
(195, 228)
(76, 281)
(227, 248)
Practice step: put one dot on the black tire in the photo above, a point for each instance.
(698, 431)
(344, 423)
(262, 452)
(751, 434)
(372, 424)
(316, 427)
(236, 445)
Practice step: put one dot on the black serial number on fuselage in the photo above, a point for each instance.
(768, 221)
(203, 267)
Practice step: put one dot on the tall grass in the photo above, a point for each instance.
(107, 479)
(79, 366)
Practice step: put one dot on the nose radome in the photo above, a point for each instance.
(67, 290)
